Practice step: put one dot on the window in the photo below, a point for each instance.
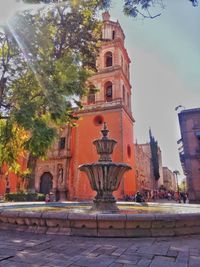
(113, 35)
(62, 143)
(108, 59)
(98, 120)
(108, 92)
(129, 151)
(91, 97)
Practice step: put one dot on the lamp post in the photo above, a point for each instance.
(176, 173)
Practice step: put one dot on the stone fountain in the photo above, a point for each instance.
(105, 176)
(154, 220)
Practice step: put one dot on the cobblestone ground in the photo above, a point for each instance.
(18, 249)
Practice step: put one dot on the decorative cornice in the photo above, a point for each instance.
(102, 106)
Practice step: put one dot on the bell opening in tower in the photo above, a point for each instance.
(108, 92)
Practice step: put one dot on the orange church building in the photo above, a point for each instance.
(111, 103)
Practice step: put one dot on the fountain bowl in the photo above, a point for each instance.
(104, 178)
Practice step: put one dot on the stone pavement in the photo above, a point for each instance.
(19, 249)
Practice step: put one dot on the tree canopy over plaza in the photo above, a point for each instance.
(47, 55)
(131, 8)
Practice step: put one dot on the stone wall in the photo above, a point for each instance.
(101, 225)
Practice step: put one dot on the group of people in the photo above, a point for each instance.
(138, 197)
(156, 195)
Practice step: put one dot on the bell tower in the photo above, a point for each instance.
(112, 78)
(111, 103)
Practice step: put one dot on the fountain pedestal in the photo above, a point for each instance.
(105, 176)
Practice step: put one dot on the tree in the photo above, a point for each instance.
(182, 186)
(132, 8)
(154, 156)
(46, 59)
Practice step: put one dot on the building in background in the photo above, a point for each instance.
(144, 176)
(189, 120)
(169, 180)
(146, 182)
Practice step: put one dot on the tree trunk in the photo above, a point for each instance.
(31, 164)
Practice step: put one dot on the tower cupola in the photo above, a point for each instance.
(106, 16)
(111, 30)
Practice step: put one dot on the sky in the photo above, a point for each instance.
(165, 71)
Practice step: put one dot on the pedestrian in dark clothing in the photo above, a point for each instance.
(138, 197)
(184, 198)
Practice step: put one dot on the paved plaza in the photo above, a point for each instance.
(19, 249)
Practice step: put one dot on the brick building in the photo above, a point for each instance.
(144, 176)
(189, 120)
(144, 168)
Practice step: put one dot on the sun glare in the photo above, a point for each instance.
(8, 9)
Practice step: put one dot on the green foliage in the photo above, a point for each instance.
(20, 197)
(47, 56)
(144, 8)
(183, 186)
(11, 143)
(41, 138)
(154, 156)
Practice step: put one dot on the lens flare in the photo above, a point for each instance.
(8, 9)
(18, 25)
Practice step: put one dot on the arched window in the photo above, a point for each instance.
(91, 96)
(108, 59)
(108, 92)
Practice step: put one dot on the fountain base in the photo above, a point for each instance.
(105, 202)
(105, 206)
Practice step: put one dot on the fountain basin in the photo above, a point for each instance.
(184, 221)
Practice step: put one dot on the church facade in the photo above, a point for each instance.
(110, 104)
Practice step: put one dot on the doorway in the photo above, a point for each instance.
(46, 183)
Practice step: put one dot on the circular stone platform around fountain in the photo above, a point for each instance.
(184, 221)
